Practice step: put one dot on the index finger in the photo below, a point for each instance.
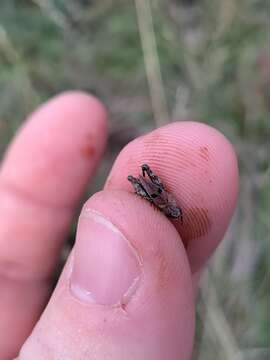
(198, 166)
(44, 173)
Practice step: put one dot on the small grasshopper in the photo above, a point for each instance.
(155, 192)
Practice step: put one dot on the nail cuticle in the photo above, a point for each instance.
(87, 298)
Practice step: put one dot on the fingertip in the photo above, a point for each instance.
(80, 101)
(63, 139)
(198, 165)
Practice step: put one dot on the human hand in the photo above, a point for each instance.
(128, 288)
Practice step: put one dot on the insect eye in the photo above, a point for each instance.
(153, 196)
(159, 190)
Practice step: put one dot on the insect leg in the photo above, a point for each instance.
(153, 177)
(139, 190)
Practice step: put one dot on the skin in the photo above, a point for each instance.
(43, 175)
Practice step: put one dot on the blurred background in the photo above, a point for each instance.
(150, 61)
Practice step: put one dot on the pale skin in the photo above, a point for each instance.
(42, 178)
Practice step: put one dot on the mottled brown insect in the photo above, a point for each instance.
(154, 191)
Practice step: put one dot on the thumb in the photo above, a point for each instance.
(126, 291)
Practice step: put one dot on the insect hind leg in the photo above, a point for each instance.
(139, 190)
(153, 177)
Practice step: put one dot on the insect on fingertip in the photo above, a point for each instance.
(153, 190)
